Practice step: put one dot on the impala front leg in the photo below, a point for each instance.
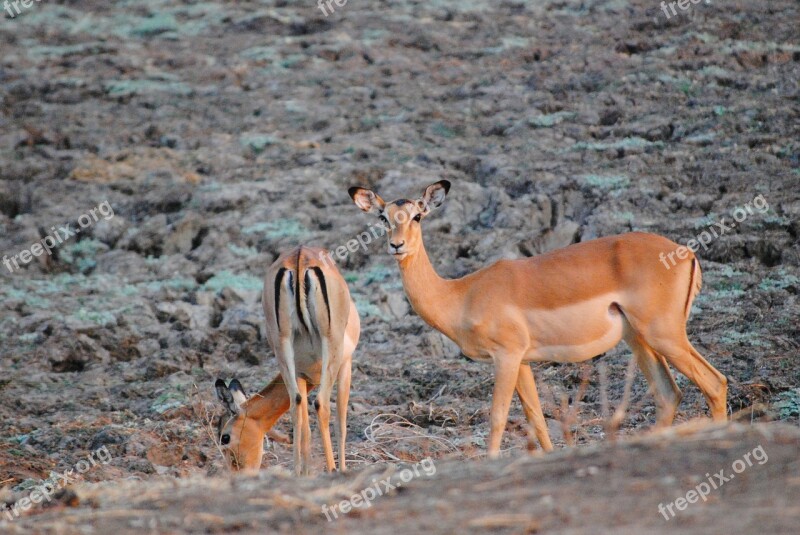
(506, 372)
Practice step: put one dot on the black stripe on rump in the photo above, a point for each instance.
(307, 280)
(297, 292)
(278, 281)
(324, 287)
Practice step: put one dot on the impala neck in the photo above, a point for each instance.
(269, 405)
(435, 299)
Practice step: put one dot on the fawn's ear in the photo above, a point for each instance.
(367, 200)
(225, 396)
(238, 393)
(434, 196)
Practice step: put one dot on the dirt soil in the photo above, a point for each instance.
(603, 487)
(221, 133)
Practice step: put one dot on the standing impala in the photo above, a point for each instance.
(567, 305)
(313, 328)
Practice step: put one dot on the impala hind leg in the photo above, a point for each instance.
(330, 353)
(529, 397)
(297, 430)
(323, 406)
(285, 356)
(305, 426)
(687, 360)
(506, 372)
(342, 399)
(654, 367)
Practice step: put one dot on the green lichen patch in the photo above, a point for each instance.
(82, 254)
(788, 404)
(752, 339)
(257, 142)
(607, 182)
(245, 252)
(154, 25)
(779, 280)
(550, 119)
(125, 88)
(228, 279)
(627, 143)
(278, 228)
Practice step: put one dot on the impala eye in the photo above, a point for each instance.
(225, 439)
(417, 217)
(384, 220)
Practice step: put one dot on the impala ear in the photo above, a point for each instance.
(367, 200)
(225, 395)
(434, 196)
(238, 393)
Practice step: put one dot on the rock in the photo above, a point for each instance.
(148, 347)
(652, 128)
(398, 304)
(438, 345)
(124, 264)
(158, 368)
(170, 200)
(238, 294)
(242, 325)
(148, 238)
(107, 435)
(243, 352)
(136, 164)
(610, 117)
(196, 340)
(555, 429)
(565, 233)
(188, 315)
(68, 352)
(182, 235)
(205, 298)
(109, 231)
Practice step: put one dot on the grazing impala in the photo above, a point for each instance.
(313, 328)
(567, 305)
(241, 432)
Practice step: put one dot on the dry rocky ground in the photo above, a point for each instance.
(221, 133)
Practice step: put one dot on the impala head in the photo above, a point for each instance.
(241, 437)
(403, 216)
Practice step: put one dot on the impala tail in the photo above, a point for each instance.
(695, 284)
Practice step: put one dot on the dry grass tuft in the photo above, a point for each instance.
(408, 440)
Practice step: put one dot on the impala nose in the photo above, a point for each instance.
(395, 247)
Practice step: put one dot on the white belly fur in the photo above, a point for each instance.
(552, 330)
(308, 357)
